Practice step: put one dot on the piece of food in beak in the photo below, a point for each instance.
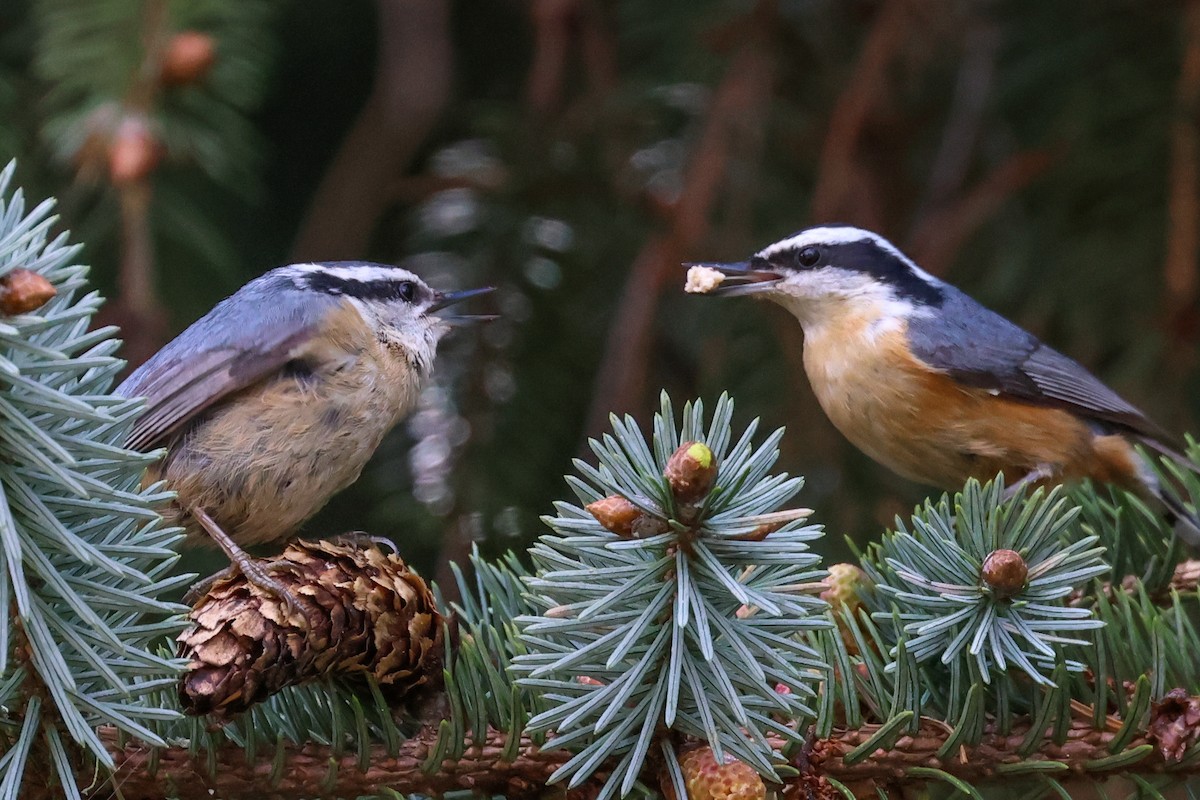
(702, 279)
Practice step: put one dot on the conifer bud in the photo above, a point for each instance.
(623, 518)
(188, 58)
(691, 471)
(706, 779)
(615, 513)
(133, 153)
(24, 290)
(842, 584)
(1005, 571)
(841, 592)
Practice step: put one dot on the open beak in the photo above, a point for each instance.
(740, 278)
(443, 300)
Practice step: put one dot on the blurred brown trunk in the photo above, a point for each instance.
(563, 29)
(137, 309)
(739, 108)
(1181, 270)
(412, 87)
(940, 234)
(839, 191)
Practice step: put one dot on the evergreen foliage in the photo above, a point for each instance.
(97, 66)
(618, 649)
(85, 562)
(694, 629)
(933, 575)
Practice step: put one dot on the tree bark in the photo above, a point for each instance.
(412, 87)
(314, 770)
(740, 104)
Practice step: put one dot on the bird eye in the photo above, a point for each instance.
(808, 256)
(407, 291)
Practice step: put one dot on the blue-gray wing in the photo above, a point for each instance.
(982, 349)
(247, 336)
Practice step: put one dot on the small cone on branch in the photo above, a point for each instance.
(708, 779)
(1005, 572)
(1174, 726)
(623, 518)
(133, 153)
(691, 471)
(188, 58)
(842, 585)
(841, 592)
(24, 290)
(615, 513)
(368, 615)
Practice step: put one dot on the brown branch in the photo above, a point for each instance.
(1187, 576)
(739, 106)
(412, 87)
(1186, 579)
(940, 234)
(980, 49)
(1181, 279)
(838, 182)
(313, 769)
(564, 30)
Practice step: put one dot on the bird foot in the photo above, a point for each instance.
(361, 539)
(258, 574)
(1039, 473)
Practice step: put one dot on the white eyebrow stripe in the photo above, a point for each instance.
(362, 273)
(844, 234)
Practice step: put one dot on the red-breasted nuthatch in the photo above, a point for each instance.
(933, 385)
(275, 399)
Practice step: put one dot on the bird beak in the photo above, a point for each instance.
(740, 279)
(443, 300)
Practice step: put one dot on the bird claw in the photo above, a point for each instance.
(258, 574)
(361, 539)
(1039, 473)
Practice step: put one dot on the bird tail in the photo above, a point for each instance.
(1169, 486)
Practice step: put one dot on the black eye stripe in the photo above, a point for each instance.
(379, 289)
(867, 257)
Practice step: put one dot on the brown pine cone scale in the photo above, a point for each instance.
(369, 615)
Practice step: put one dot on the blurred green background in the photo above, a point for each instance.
(1042, 155)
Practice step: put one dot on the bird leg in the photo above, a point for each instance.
(240, 562)
(1038, 473)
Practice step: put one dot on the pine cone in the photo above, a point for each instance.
(23, 290)
(188, 57)
(1175, 724)
(133, 153)
(691, 472)
(708, 780)
(369, 615)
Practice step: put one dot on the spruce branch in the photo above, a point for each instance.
(686, 623)
(84, 558)
(981, 583)
(1001, 760)
(1185, 579)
